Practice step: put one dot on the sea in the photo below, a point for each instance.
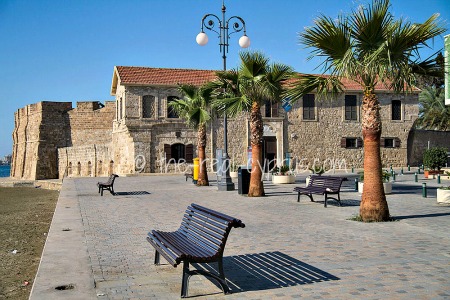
(4, 170)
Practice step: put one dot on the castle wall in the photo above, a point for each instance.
(90, 123)
(85, 161)
(39, 130)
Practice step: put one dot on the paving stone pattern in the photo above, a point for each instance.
(287, 249)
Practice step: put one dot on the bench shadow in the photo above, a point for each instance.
(421, 216)
(131, 193)
(265, 271)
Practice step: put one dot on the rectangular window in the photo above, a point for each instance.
(389, 142)
(351, 142)
(396, 110)
(309, 107)
(148, 106)
(350, 108)
(271, 109)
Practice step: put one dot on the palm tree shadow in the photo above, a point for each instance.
(265, 271)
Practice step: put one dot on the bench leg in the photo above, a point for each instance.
(298, 198)
(326, 197)
(185, 280)
(223, 282)
(101, 192)
(156, 257)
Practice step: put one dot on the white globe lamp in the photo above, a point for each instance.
(202, 39)
(244, 41)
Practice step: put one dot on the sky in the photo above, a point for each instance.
(66, 50)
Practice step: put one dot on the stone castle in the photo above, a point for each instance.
(138, 132)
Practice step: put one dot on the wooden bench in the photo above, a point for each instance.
(322, 185)
(201, 238)
(108, 185)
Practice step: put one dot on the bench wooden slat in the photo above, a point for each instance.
(189, 250)
(212, 222)
(201, 238)
(213, 245)
(204, 229)
(220, 216)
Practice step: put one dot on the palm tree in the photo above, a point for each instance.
(371, 48)
(433, 113)
(194, 109)
(246, 90)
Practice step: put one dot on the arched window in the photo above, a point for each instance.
(170, 111)
(89, 168)
(148, 106)
(69, 171)
(79, 169)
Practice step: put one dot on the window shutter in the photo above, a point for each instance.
(397, 143)
(343, 142)
(274, 109)
(189, 153)
(168, 152)
(382, 142)
(359, 143)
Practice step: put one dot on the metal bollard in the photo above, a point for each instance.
(356, 184)
(409, 168)
(353, 170)
(415, 177)
(418, 170)
(439, 178)
(393, 175)
(401, 171)
(424, 190)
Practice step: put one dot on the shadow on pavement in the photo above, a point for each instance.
(268, 270)
(131, 193)
(421, 216)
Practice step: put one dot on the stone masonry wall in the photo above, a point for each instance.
(39, 130)
(319, 140)
(419, 140)
(85, 161)
(90, 123)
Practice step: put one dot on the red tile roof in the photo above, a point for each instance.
(163, 76)
(173, 77)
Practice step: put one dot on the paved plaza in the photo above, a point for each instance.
(96, 247)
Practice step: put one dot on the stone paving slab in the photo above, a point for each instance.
(287, 249)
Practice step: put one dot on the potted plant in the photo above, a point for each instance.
(443, 194)
(434, 159)
(385, 176)
(234, 170)
(282, 175)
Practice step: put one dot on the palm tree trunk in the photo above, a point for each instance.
(373, 206)
(201, 145)
(256, 188)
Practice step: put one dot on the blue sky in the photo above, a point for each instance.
(65, 50)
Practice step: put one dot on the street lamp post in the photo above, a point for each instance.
(208, 22)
